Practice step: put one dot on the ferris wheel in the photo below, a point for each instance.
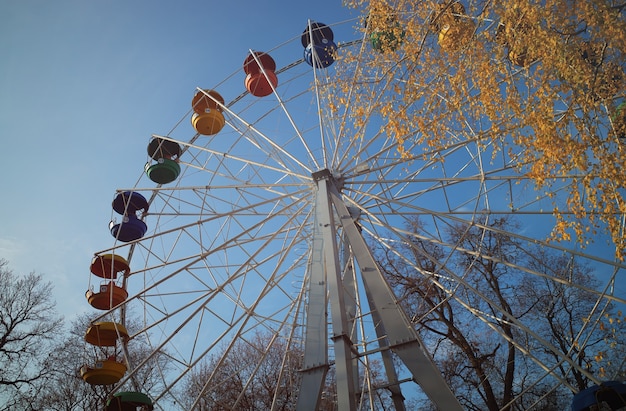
(250, 248)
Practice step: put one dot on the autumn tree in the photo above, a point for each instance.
(541, 82)
(247, 376)
(613, 324)
(262, 372)
(497, 314)
(557, 311)
(28, 327)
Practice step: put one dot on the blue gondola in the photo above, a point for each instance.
(130, 229)
(128, 203)
(610, 394)
(319, 47)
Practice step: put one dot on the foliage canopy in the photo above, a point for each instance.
(538, 81)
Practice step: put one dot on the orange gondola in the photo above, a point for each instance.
(516, 38)
(109, 296)
(261, 80)
(105, 334)
(261, 85)
(109, 266)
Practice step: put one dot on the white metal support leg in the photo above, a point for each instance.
(401, 336)
(325, 277)
(315, 364)
(391, 321)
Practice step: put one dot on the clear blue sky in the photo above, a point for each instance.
(83, 85)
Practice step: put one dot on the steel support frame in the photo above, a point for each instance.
(326, 288)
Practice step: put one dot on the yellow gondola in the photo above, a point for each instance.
(104, 372)
(453, 25)
(208, 123)
(454, 36)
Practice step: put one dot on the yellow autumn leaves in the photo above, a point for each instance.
(539, 80)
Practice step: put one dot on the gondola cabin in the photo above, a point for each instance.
(261, 79)
(129, 401)
(130, 229)
(108, 371)
(319, 46)
(515, 38)
(257, 62)
(105, 334)
(205, 100)
(104, 372)
(209, 123)
(316, 33)
(128, 204)
(453, 26)
(322, 54)
(608, 396)
(385, 32)
(164, 171)
(109, 266)
(389, 39)
(261, 85)
(208, 118)
(109, 295)
(166, 154)
(452, 37)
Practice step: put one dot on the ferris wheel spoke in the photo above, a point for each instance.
(183, 230)
(246, 310)
(488, 318)
(341, 138)
(250, 209)
(248, 131)
(437, 239)
(222, 156)
(281, 324)
(382, 220)
(257, 243)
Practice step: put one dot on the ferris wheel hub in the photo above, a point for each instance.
(323, 174)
